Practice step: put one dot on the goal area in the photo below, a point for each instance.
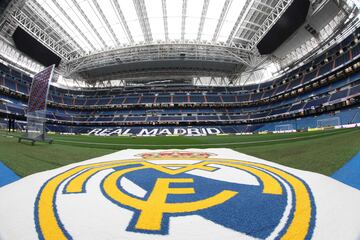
(284, 128)
(328, 122)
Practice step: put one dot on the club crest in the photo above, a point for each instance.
(254, 199)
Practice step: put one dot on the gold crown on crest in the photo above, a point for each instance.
(176, 154)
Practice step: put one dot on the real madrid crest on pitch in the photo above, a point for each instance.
(253, 199)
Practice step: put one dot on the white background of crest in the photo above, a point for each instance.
(338, 208)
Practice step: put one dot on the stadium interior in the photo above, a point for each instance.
(179, 119)
(228, 83)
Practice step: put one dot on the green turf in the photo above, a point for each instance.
(323, 152)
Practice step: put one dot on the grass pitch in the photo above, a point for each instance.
(323, 152)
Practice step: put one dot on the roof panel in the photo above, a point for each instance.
(96, 25)
(65, 23)
(174, 11)
(76, 17)
(212, 16)
(155, 15)
(193, 14)
(230, 19)
(128, 9)
(95, 19)
(120, 33)
(104, 33)
(109, 12)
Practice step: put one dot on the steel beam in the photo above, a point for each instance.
(7, 23)
(272, 18)
(260, 11)
(42, 13)
(88, 21)
(239, 20)
(202, 19)
(104, 18)
(259, 2)
(220, 22)
(242, 39)
(123, 21)
(183, 19)
(252, 23)
(143, 19)
(166, 30)
(197, 52)
(248, 29)
(33, 29)
(73, 23)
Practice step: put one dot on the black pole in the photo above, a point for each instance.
(13, 125)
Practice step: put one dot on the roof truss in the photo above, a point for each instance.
(202, 19)
(272, 18)
(165, 17)
(88, 21)
(239, 21)
(254, 20)
(74, 24)
(183, 19)
(220, 22)
(106, 22)
(31, 27)
(123, 21)
(36, 7)
(143, 19)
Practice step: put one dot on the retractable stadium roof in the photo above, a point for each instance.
(113, 39)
